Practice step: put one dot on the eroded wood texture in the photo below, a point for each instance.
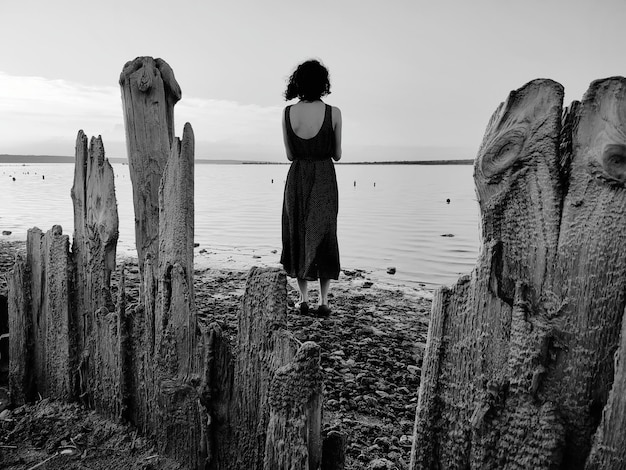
(149, 93)
(589, 300)
(20, 375)
(51, 321)
(263, 345)
(609, 445)
(295, 413)
(139, 323)
(43, 356)
(240, 405)
(96, 231)
(177, 359)
(518, 364)
(175, 316)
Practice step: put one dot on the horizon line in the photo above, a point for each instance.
(28, 158)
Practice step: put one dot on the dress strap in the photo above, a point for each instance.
(287, 118)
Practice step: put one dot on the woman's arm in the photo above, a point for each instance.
(336, 120)
(285, 140)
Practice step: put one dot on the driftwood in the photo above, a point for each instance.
(519, 369)
(155, 364)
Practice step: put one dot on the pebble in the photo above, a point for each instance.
(448, 235)
(370, 400)
(414, 370)
(6, 232)
(406, 441)
(382, 442)
(391, 270)
(381, 464)
(377, 332)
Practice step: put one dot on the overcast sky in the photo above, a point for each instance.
(414, 79)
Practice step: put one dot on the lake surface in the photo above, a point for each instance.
(389, 215)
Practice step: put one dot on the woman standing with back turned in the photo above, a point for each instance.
(312, 135)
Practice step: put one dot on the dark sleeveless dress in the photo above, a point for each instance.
(310, 205)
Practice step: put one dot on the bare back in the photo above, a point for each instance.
(307, 118)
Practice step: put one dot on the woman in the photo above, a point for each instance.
(312, 136)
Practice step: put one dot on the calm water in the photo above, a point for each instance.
(395, 215)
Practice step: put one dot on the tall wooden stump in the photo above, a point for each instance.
(149, 93)
(175, 317)
(94, 247)
(177, 362)
(519, 360)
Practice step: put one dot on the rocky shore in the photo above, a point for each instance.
(372, 347)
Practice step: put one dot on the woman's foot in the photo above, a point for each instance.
(323, 310)
(304, 296)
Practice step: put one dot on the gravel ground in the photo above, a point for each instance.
(372, 346)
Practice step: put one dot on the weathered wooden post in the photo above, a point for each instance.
(175, 317)
(63, 339)
(519, 360)
(96, 231)
(178, 364)
(149, 93)
(609, 446)
(295, 413)
(41, 358)
(21, 384)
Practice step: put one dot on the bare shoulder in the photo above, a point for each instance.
(335, 114)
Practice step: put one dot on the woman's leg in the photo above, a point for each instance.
(304, 290)
(324, 286)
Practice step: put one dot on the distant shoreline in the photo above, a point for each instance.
(5, 158)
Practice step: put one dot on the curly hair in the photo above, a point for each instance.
(309, 82)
